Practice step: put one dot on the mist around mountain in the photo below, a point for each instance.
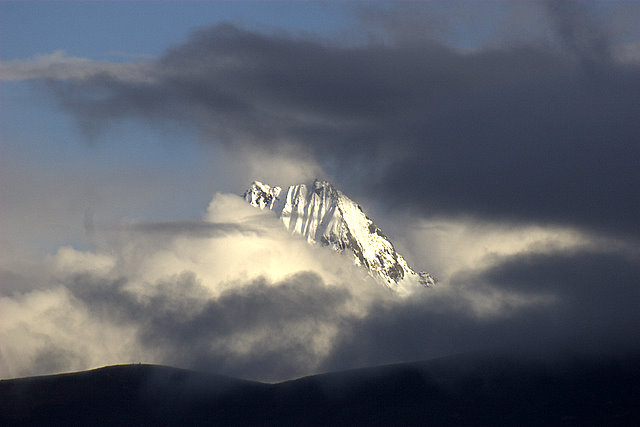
(325, 216)
(282, 325)
(496, 145)
(457, 390)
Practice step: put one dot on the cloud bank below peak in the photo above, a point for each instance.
(236, 294)
(511, 166)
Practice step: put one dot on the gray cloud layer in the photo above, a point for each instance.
(519, 133)
(595, 298)
(264, 330)
(190, 328)
(193, 228)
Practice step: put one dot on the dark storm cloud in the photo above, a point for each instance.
(264, 330)
(520, 133)
(594, 311)
(182, 321)
(293, 312)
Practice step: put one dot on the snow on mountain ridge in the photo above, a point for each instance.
(324, 215)
(261, 195)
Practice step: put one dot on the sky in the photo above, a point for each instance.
(495, 143)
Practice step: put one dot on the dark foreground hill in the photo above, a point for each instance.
(451, 391)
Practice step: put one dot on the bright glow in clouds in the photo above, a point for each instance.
(259, 247)
(48, 331)
(87, 296)
(138, 299)
(451, 246)
(530, 137)
(236, 294)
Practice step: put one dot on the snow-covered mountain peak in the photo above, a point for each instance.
(319, 184)
(262, 195)
(324, 215)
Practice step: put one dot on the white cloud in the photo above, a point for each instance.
(247, 300)
(274, 166)
(452, 246)
(69, 313)
(48, 330)
(60, 66)
(68, 261)
(265, 249)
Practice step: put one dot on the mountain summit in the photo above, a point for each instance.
(324, 215)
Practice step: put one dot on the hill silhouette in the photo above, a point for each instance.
(458, 390)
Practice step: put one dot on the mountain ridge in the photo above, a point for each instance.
(323, 215)
(456, 390)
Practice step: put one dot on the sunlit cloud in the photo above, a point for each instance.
(243, 297)
(507, 167)
(450, 246)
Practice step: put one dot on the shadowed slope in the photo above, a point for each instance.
(123, 394)
(450, 391)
